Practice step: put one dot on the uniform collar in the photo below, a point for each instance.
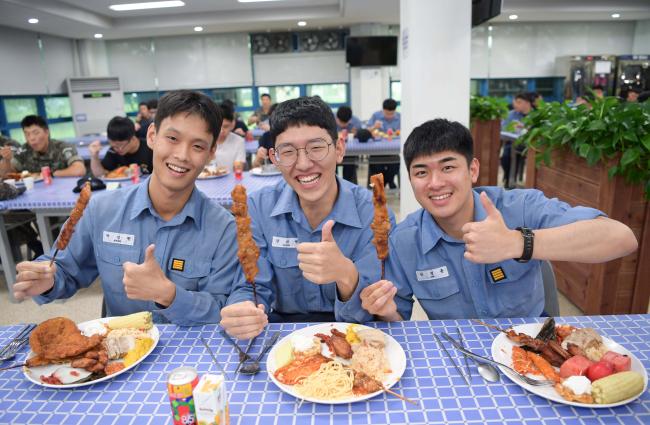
(341, 213)
(191, 209)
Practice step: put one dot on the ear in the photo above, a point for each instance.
(271, 154)
(474, 169)
(340, 150)
(151, 135)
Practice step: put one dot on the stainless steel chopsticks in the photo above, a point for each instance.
(451, 359)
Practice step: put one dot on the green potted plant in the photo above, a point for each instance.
(597, 155)
(485, 117)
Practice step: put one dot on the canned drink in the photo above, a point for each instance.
(180, 386)
(46, 173)
(344, 134)
(135, 173)
(238, 168)
(249, 136)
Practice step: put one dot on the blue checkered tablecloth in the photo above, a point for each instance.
(373, 147)
(140, 396)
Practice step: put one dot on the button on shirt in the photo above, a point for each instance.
(196, 250)
(393, 123)
(450, 287)
(279, 225)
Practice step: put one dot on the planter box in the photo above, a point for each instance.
(615, 287)
(487, 145)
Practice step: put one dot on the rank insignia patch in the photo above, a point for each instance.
(178, 264)
(497, 274)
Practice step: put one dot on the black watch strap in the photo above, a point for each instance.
(529, 238)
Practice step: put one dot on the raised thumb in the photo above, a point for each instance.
(148, 254)
(490, 209)
(326, 232)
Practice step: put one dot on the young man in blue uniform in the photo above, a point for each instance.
(475, 252)
(313, 230)
(161, 245)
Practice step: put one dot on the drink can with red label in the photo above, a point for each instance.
(46, 173)
(180, 385)
(249, 136)
(135, 173)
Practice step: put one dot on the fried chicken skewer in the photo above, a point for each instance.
(75, 216)
(381, 222)
(247, 251)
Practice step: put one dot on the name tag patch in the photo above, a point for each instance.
(178, 264)
(118, 238)
(498, 274)
(432, 274)
(279, 242)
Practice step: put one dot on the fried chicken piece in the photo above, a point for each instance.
(59, 338)
(248, 252)
(337, 343)
(381, 222)
(364, 384)
(119, 172)
(75, 216)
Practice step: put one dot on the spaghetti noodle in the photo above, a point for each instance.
(331, 381)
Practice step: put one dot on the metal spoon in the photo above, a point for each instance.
(254, 367)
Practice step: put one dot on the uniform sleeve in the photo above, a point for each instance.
(70, 155)
(76, 266)
(541, 212)
(265, 279)
(204, 306)
(396, 274)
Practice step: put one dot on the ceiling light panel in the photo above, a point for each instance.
(148, 5)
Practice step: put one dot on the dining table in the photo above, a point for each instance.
(139, 396)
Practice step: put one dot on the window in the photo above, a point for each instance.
(131, 100)
(280, 93)
(62, 130)
(507, 87)
(18, 135)
(57, 107)
(17, 108)
(546, 87)
(330, 93)
(242, 97)
(474, 87)
(396, 91)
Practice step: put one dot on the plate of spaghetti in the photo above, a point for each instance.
(336, 363)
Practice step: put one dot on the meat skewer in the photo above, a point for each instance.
(75, 216)
(381, 222)
(366, 384)
(248, 252)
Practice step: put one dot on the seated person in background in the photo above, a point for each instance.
(126, 149)
(632, 94)
(346, 121)
(7, 148)
(468, 253)
(598, 91)
(160, 245)
(313, 230)
(522, 105)
(41, 151)
(147, 116)
(240, 127)
(386, 119)
(262, 114)
(264, 144)
(230, 146)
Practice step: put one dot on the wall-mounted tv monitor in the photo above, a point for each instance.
(371, 51)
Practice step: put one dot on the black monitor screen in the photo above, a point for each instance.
(371, 51)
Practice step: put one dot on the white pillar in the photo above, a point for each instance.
(434, 68)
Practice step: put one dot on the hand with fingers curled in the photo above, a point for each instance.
(33, 278)
(490, 240)
(243, 320)
(147, 281)
(94, 148)
(378, 299)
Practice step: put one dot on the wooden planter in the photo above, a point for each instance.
(615, 287)
(487, 145)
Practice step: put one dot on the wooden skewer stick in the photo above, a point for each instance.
(54, 256)
(254, 292)
(400, 396)
(383, 269)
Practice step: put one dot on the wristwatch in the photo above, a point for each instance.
(529, 238)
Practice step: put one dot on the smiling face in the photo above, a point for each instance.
(37, 137)
(313, 181)
(182, 146)
(442, 183)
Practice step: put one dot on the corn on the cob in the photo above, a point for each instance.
(141, 320)
(617, 387)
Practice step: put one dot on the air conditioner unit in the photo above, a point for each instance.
(94, 101)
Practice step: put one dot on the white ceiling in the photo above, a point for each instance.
(83, 18)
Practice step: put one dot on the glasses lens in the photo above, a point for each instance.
(286, 155)
(317, 150)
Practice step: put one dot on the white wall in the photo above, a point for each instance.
(300, 68)
(641, 43)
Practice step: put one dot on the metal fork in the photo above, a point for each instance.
(21, 336)
(523, 378)
(12, 349)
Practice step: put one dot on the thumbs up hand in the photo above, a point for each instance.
(490, 240)
(323, 262)
(147, 281)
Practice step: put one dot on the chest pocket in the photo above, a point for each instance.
(193, 270)
(117, 255)
(435, 289)
(509, 271)
(284, 258)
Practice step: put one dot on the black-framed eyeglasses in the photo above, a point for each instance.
(316, 150)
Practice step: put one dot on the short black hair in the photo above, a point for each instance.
(438, 135)
(344, 113)
(227, 111)
(598, 87)
(152, 104)
(265, 95)
(190, 103)
(143, 103)
(120, 129)
(389, 105)
(311, 111)
(31, 120)
(526, 96)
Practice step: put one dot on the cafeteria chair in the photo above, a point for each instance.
(551, 303)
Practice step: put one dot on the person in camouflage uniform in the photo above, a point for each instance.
(40, 151)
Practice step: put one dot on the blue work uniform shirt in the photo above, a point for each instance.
(196, 250)
(393, 123)
(353, 124)
(448, 286)
(279, 225)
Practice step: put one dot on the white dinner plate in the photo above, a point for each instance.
(394, 354)
(116, 179)
(257, 171)
(502, 352)
(211, 177)
(34, 373)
